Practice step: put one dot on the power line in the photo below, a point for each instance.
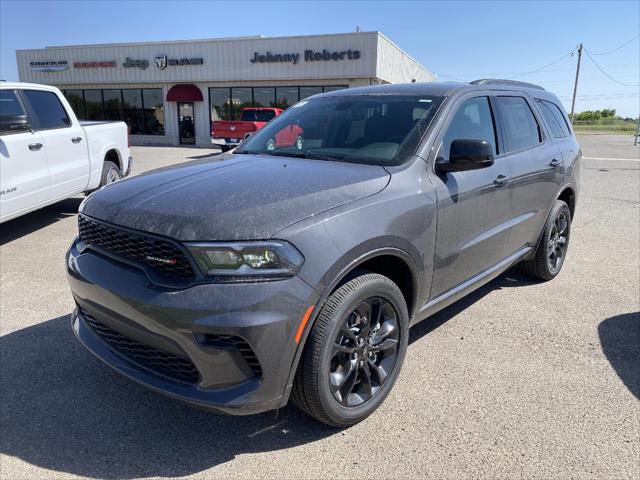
(546, 66)
(607, 75)
(619, 47)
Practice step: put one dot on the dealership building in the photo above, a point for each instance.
(170, 92)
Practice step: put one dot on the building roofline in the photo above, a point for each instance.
(201, 40)
(409, 56)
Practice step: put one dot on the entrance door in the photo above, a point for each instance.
(186, 123)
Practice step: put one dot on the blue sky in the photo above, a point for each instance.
(463, 40)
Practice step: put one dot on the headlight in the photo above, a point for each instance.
(247, 259)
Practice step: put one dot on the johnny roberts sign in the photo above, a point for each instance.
(309, 56)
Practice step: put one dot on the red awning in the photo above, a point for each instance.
(187, 92)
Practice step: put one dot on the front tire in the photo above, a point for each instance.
(552, 250)
(354, 352)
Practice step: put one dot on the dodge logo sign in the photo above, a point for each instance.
(161, 62)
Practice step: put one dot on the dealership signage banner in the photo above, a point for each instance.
(309, 56)
(101, 64)
(49, 66)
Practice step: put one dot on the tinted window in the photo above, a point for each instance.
(9, 104)
(153, 111)
(112, 104)
(76, 100)
(372, 129)
(554, 118)
(308, 91)
(132, 108)
(93, 101)
(48, 110)
(257, 115)
(286, 96)
(240, 98)
(472, 121)
(519, 125)
(220, 104)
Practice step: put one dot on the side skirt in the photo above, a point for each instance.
(451, 296)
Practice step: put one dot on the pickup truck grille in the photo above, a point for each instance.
(160, 255)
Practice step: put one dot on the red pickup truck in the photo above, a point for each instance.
(228, 134)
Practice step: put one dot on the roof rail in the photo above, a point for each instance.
(497, 81)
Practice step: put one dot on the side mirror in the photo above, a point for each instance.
(467, 154)
(14, 123)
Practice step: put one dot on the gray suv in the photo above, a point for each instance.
(294, 271)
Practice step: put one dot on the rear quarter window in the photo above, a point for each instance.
(554, 118)
(520, 127)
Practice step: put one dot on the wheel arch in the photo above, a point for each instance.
(383, 261)
(568, 196)
(113, 155)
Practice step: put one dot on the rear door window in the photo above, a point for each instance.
(554, 118)
(519, 126)
(472, 121)
(9, 104)
(48, 110)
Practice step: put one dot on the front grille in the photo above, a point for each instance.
(141, 248)
(238, 343)
(159, 361)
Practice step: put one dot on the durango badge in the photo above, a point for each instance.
(170, 261)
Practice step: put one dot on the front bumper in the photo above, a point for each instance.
(153, 332)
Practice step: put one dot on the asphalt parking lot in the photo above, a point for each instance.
(519, 380)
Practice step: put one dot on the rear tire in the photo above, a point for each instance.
(552, 250)
(354, 352)
(110, 173)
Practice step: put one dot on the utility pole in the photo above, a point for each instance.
(575, 85)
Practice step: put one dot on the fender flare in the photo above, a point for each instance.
(332, 285)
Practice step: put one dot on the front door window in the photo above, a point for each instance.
(186, 123)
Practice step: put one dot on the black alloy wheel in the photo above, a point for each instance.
(558, 239)
(364, 352)
(554, 243)
(354, 351)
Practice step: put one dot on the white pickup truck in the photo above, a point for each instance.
(46, 155)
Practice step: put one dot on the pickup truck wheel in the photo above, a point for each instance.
(552, 250)
(354, 352)
(110, 173)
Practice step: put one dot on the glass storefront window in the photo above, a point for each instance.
(286, 96)
(264, 96)
(308, 91)
(333, 88)
(76, 100)
(153, 111)
(93, 101)
(219, 104)
(241, 97)
(132, 109)
(112, 104)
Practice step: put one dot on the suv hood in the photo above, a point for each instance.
(245, 197)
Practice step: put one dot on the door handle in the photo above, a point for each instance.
(555, 163)
(76, 139)
(501, 180)
(34, 147)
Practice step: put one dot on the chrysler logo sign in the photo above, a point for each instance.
(49, 66)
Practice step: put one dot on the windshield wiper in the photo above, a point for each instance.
(303, 154)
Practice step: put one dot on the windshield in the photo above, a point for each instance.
(373, 129)
(257, 115)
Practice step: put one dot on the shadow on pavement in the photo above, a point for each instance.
(34, 221)
(620, 340)
(65, 411)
